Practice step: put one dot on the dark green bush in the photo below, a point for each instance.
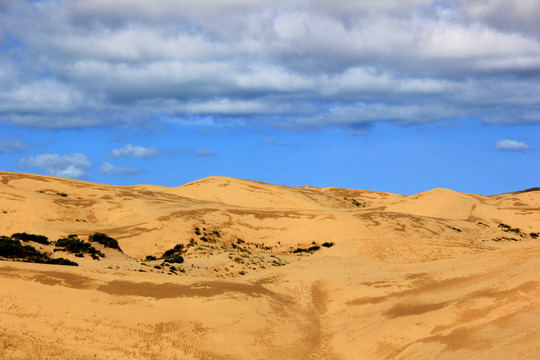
(104, 240)
(31, 237)
(534, 235)
(175, 259)
(309, 250)
(13, 249)
(150, 258)
(328, 244)
(74, 245)
(178, 249)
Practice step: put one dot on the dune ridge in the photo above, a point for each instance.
(271, 271)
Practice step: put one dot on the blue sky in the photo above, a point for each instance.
(397, 96)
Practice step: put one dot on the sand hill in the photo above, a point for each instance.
(268, 272)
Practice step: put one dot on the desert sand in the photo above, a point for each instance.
(428, 276)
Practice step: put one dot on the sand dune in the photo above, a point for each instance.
(439, 274)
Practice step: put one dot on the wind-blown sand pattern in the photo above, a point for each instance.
(427, 276)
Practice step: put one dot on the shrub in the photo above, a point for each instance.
(310, 250)
(328, 244)
(178, 249)
(175, 259)
(104, 240)
(150, 258)
(74, 245)
(534, 235)
(12, 248)
(31, 237)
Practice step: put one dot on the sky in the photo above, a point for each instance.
(398, 96)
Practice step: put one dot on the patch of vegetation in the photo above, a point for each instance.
(31, 237)
(310, 250)
(455, 229)
(12, 248)
(357, 203)
(104, 240)
(210, 236)
(62, 194)
(178, 259)
(328, 244)
(74, 245)
(534, 235)
(174, 255)
(509, 229)
(150, 258)
(504, 238)
(177, 249)
(483, 224)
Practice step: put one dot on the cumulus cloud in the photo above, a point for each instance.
(511, 145)
(69, 165)
(295, 63)
(134, 152)
(12, 146)
(108, 168)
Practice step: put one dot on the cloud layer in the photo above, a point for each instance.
(287, 64)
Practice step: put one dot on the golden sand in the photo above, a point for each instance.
(427, 276)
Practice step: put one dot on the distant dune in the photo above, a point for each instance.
(223, 268)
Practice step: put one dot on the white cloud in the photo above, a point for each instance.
(134, 152)
(70, 165)
(511, 145)
(98, 62)
(108, 168)
(12, 146)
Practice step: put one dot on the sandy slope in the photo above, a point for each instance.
(409, 277)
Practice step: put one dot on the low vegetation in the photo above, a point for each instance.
(174, 255)
(104, 240)
(454, 228)
(31, 237)
(72, 244)
(309, 250)
(12, 248)
(357, 203)
(502, 238)
(509, 229)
